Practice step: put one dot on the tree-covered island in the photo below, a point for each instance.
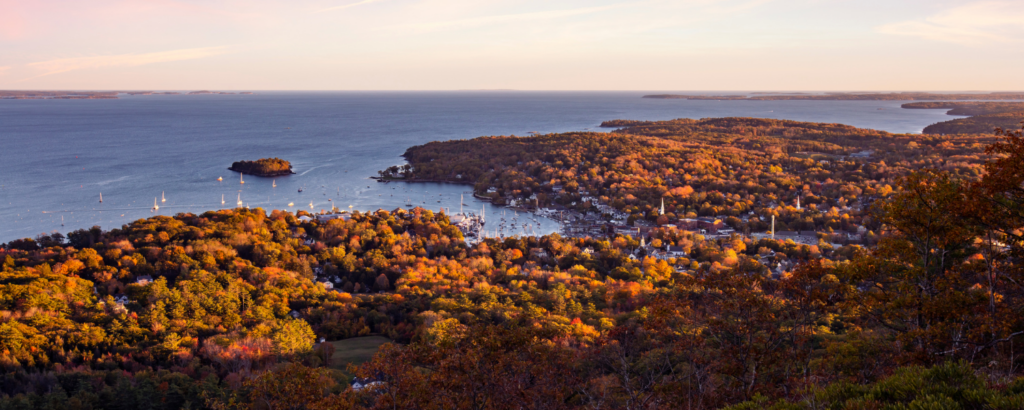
(264, 167)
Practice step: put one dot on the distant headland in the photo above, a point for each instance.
(264, 167)
(57, 95)
(984, 116)
(96, 95)
(909, 96)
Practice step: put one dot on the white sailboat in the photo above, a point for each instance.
(62, 220)
(155, 206)
(220, 178)
(311, 205)
(291, 204)
(162, 199)
(101, 197)
(239, 199)
(222, 199)
(241, 177)
(275, 184)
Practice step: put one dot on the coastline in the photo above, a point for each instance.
(265, 175)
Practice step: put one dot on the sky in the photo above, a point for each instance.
(665, 45)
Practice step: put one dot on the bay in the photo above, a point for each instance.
(57, 156)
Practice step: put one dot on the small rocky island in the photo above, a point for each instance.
(264, 167)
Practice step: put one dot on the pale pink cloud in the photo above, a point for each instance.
(63, 65)
(970, 24)
(349, 5)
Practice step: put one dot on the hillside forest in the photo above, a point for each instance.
(231, 309)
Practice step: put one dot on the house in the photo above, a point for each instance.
(143, 280)
(688, 224)
(710, 224)
(326, 284)
(457, 219)
(294, 314)
(676, 252)
(492, 190)
(305, 218)
(359, 383)
(588, 251)
(625, 230)
(328, 217)
(538, 253)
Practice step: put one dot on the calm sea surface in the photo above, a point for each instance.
(57, 156)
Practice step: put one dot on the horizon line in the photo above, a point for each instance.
(771, 91)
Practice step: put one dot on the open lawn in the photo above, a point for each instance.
(355, 350)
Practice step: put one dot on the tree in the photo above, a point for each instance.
(294, 387)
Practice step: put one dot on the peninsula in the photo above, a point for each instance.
(984, 116)
(264, 167)
(909, 96)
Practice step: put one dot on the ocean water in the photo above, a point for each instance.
(58, 156)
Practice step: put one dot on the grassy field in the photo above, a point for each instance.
(355, 350)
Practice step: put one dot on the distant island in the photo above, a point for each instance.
(57, 95)
(985, 116)
(264, 167)
(215, 92)
(624, 123)
(910, 96)
(151, 93)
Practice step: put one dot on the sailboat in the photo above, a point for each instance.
(162, 199)
(275, 184)
(291, 204)
(239, 199)
(241, 177)
(220, 178)
(311, 205)
(222, 199)
(101, 197)
(62, 220)
(155, 206)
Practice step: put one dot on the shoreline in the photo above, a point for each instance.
(275, 174)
